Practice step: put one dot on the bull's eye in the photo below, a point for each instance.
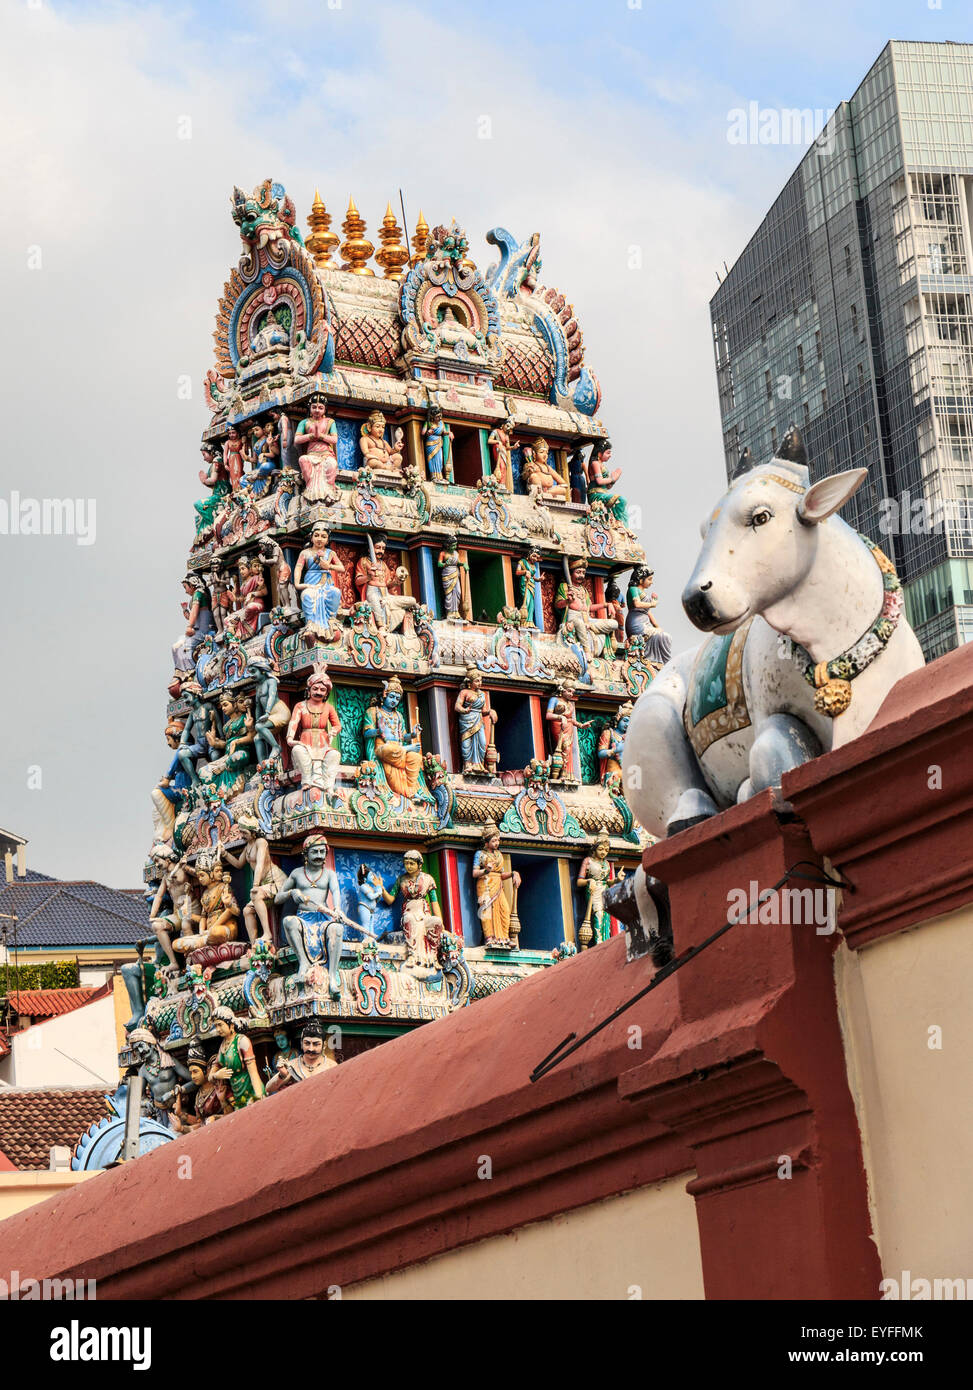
(761, 516)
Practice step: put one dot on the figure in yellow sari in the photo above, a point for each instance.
(492, 907)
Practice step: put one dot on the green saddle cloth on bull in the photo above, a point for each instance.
(715, 701)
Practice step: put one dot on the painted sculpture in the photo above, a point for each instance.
(454, 575)
(541, 477)
(437, 443)
(315, 932)
(396, 749)
(312, 732)
(580, 620)
(315, 1058)
(596, 873)
(477, 726)
(266, 878)
(234, 1062)
(562, 716)
(500, 441)
(640, 620)
(808, 637)
(611, 743)
(316, 442)
(422, 918)
(161, 1072)
(314, 580)
(376, 450)
(374, 580)
(489, 875)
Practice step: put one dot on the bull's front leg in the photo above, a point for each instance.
(782, 742)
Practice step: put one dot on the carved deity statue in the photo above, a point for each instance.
(561, 714)
(314, 729)
(454, 573)
(422, 918)
(579, 620)
(500, 442)
(232, 748)
(196, 746)
(270, 713)
(316, 1057)
(594, 876)
(160, 1072)
(397, 750)
(541, 478)
(437, 443)
(178, 884)
(198, 615)
(234, 1061)
(376, 450)
(267, 877)
(526, 571)
(641, 620)
(251, 598)
(374, 579)
(236, 455)
(316, 931)
(314, 580)
(601, 480)
(489, 876)
(218, 916)
(477, 725)
(316, 440)
(611, 743)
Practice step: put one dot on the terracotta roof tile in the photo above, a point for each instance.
(31, 1122)
(48, 1003)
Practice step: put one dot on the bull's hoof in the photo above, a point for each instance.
(692, 807)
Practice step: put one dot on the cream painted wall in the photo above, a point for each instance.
(20, 1190)
(644, 1240)
(75, 1049)
(913, 1099)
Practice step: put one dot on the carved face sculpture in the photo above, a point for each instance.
(223, 1026)
(380, 548)
(391, 699)
(474, 680)
(493, 844)
(413, 863)
(601, 850)
(317, 410)
(234, 435)
(197, 1073)
(541, 450)
(226, 705)
(318, 688)
(621, 723)
(376, 425)
(144, 1050)
(311, 1048)
(316, 855)
(282, 1041)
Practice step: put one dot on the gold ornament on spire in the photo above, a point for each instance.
(421, 239)
(356, 248)
(321, 242)
(393, 255)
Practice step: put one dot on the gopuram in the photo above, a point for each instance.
(405, 671)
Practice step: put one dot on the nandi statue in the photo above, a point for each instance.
(807, 638)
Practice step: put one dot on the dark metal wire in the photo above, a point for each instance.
(572, 1042)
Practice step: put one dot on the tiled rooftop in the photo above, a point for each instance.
(33, 1121)
(48, 1003)
(56, 912)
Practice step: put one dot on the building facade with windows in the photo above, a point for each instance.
(850, 312)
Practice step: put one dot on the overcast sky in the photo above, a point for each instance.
(607, 131)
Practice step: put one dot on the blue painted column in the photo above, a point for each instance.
(428, 588)
(439, 717)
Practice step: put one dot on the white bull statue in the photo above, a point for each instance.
(808, 636)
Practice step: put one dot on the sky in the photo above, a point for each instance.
(123, 129)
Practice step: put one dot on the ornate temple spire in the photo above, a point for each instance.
(321, 242)
(421, 239)
(356, 248)
(393, 255)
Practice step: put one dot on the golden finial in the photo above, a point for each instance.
(321, 242)
(421, 239)
(393, 255)
(355, 248)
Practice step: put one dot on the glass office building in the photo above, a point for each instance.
(850, 312)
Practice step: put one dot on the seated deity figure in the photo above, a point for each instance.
(541, 478)
(641, 622)
(218, 917)
(316, 440)
(316, 931)
(233, 749)
(235, 1062)
(578, 623)
(422, 918)
(437, 443)
(213, 476)
(611, 743)
(271, 335)
(373, 580)
(314, 729)
(314, 580)
(377, 452)
(198, 614)
(489, 876)
(500, 441)
(270, 713)
(600, 480)
(267, 877)
(251, 599)
(397, 752)
(477, 724)
(316, 1057)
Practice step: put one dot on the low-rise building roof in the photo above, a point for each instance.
(33, 1121)
(58, 912)
(48, 1003)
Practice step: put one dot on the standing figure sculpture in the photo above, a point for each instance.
(540, 477)
(454, 573)
(266, 457)
(234, 1061)
(377, 452)
(396, 750)
(373, 580)
(561, 714)
(314, 580)
(202, 727)
(316, 932)
(270, 713)
(370, 889)
(161, 1073)
(477, 725)
(640, 620)
(268, 877)
(198, 614)
(313, 730)
(527, 571)
(437, 443)
(213, 476)
(316, 1057)
(198, 1102)
(286, 450)
(235, 457)
(178, 884)
(316, 441)
(489, 877)
(594, 876)
(611, 743)
(500, 442)
(422, 918)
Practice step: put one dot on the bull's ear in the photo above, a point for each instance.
(826, 496)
